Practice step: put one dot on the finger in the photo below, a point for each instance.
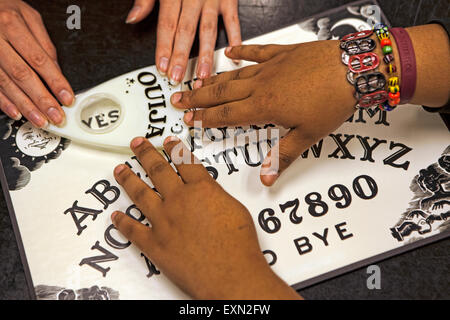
(158, 169)
(34, 22)
(140, 10)
(184, 37)
(28, 82)
(26, 45)
(188, 166)
(213, 95)
(169, 12)
(139, 192)
(231, 21)
(239, 113)
(282, 155)
(208, 36)
(242, 73)
(9, 108)
(134, 231)
(21, 101)
(256, 53)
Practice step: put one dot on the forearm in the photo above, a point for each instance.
(432, 50)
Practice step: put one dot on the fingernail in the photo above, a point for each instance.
(132, 16)
(119, 169)
(113, 215)
(136, 142)
(188, 116)
(12, 112)
(203, 71)
(198, 84)
(176, 97)
(171, 139)
(176, 75)
(55, 115)
(163, 65)
(236, 62)
(66, 97)
(37, 119)
(270, 179)
(228, 50)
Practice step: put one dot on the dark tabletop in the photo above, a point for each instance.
(105, 47)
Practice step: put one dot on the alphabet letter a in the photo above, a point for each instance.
(74, 20)
(374, 280)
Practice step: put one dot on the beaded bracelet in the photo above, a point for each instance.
(383, 35)
(362, 64)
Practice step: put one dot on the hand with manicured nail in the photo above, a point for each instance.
(177, 24)
(301, 87)
(27, 53)
(206, 245)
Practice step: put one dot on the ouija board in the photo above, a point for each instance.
(377, 186)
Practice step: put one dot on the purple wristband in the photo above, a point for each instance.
(407, 63)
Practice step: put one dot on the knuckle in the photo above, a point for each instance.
(4, 80)
(285, 157)
(186, 29)
(21, 73)
(224, 112)
(168, 25)
(208, 26)
(141, 195)
(39, 59)
(156, 167)
(46, 101)
(146, 151)
(219, 89)
(188, 97)
(8, 16)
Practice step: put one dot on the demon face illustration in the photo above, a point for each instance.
(426, 214)
(44, 292)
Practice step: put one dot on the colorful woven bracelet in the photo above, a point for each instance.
(362, 72)
(383, 35)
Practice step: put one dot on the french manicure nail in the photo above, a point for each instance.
(66, 97)
(55, 115)
(37, 119)
(13, 113)
(163, 65)
(188, 116)
(176, 97)
(132, 16)
(203, 71)
(236, 62)
(176, 75)
(198, 84)
(136, 142)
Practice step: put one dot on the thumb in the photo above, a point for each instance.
(282, 155)
(140, 10)
(256, 53)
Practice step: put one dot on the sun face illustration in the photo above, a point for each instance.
(24, 149)
(34, 142)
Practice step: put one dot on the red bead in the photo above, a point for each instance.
(386, 42)
(394, 96)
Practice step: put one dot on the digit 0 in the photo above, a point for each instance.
(373, 188)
